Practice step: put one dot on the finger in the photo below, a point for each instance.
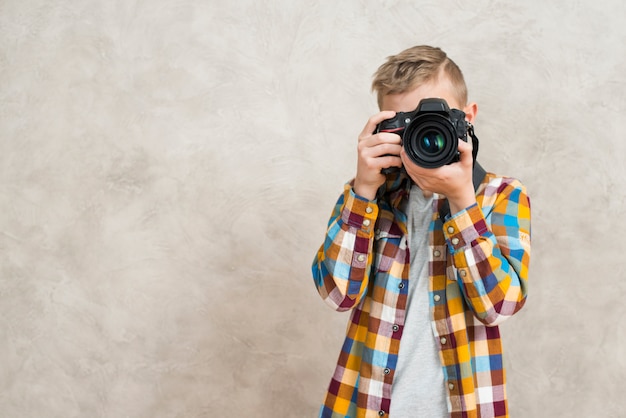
(389, 161)
(387, 139)
(465, 149)
(379, 150)
(376, 164)
(386, 149)
(370, 126)
(464, 146)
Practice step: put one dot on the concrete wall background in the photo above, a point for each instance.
(167, 169)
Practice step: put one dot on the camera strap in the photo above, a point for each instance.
(478, 174)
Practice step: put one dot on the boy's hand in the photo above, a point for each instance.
(375, 152)
(453, 180)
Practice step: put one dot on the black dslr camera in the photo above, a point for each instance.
(430, 133)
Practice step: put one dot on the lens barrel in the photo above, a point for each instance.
(431, 141)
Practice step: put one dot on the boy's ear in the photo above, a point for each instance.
(471, 109)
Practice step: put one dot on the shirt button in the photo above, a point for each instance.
(437, 253)
(463, 273)
(455, 241)
(451, 386)
(366, 222)
(387, 371)
(443, 340)
(395, 328)
(451, 229)
(401, 286)
(361, 257)
(369, 209)
(437, 298)
(381, 413)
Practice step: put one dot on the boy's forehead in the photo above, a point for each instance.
(408, 101)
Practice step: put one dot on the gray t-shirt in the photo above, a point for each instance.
(418, 387)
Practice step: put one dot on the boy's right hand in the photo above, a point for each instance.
(375, 152)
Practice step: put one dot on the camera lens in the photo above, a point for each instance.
(432, 143)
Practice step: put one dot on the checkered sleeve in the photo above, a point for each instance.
(490, 244)
(342, 264)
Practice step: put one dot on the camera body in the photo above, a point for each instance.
(430, 133)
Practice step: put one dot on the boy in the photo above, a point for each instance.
(426, 288)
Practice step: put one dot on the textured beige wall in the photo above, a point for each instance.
(167, 169)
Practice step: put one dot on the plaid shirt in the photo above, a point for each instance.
(478, 271)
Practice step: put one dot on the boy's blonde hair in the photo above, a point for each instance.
(415, 66)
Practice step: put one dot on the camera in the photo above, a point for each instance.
(430, 133)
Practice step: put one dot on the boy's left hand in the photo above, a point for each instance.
(453, 180)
